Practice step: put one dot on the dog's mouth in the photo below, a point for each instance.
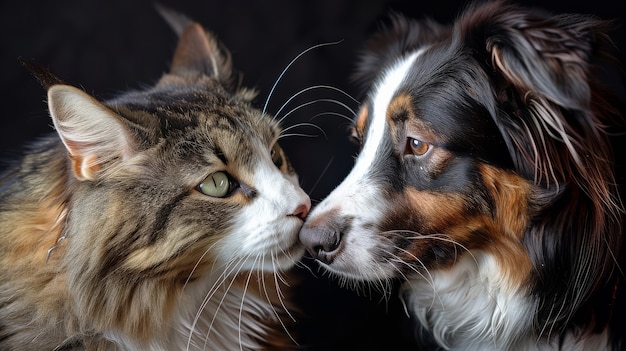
(351, 254)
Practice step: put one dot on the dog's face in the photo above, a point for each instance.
(433, 179)
(480, 140)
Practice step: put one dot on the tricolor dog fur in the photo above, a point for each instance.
(486, 182)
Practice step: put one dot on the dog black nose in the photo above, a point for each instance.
(322, 242)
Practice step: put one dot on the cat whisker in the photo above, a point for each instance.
(297, 135)
(305, 104)
(241, 262)
(243, 299)
(347, 118)
(324, 170)
(214, 288)
(263, 287)
(312, 88)
(289, 65)
(305, 124)
(198, 261)
(58, 242)
(280, 296)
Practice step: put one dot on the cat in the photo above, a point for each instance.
(162, 219)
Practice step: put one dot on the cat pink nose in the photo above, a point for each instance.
(302, 210)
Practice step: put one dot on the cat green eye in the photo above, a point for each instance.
(277, 155)
(218, 184)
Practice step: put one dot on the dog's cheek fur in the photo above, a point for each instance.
(433, 229)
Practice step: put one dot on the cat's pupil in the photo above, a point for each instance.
(217, 184)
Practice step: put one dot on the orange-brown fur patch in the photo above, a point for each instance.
(404, 122)
(36, 279)
(510, 195)
(501, 232)
(401, 105)
(361, 120)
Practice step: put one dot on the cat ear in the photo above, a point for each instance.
(197, 50)
(92, 134)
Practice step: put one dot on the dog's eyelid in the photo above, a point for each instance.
(416, 147)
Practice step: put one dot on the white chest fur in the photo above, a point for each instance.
(470, 306)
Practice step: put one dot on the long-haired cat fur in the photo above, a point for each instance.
(162, 219)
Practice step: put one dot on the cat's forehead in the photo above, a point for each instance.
(185, 111)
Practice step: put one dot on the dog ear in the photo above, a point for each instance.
(400, 36)
(543, 71)
(547, 56)
(553, 114)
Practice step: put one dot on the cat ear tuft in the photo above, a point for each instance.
(43, 75)
(176, 20)
(92, 134)
(199, 51)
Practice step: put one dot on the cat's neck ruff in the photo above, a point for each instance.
(225, 313)
(217, 313)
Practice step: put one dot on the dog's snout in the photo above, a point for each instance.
(322, 242)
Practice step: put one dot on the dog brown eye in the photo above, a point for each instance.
(416, 147)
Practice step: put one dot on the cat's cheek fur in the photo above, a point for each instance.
(266, 238)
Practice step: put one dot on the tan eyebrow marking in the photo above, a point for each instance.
(400, 109)
(361, 120)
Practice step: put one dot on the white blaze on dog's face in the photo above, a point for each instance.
(358, 199)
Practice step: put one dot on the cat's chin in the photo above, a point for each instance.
(291, 256)
(281, 260)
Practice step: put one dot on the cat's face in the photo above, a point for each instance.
(180, 179)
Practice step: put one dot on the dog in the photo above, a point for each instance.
(485, 183)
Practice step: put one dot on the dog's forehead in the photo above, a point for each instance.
(411, 88)
(441, 92)
(371, 120)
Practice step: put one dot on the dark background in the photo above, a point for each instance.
(111, 46)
